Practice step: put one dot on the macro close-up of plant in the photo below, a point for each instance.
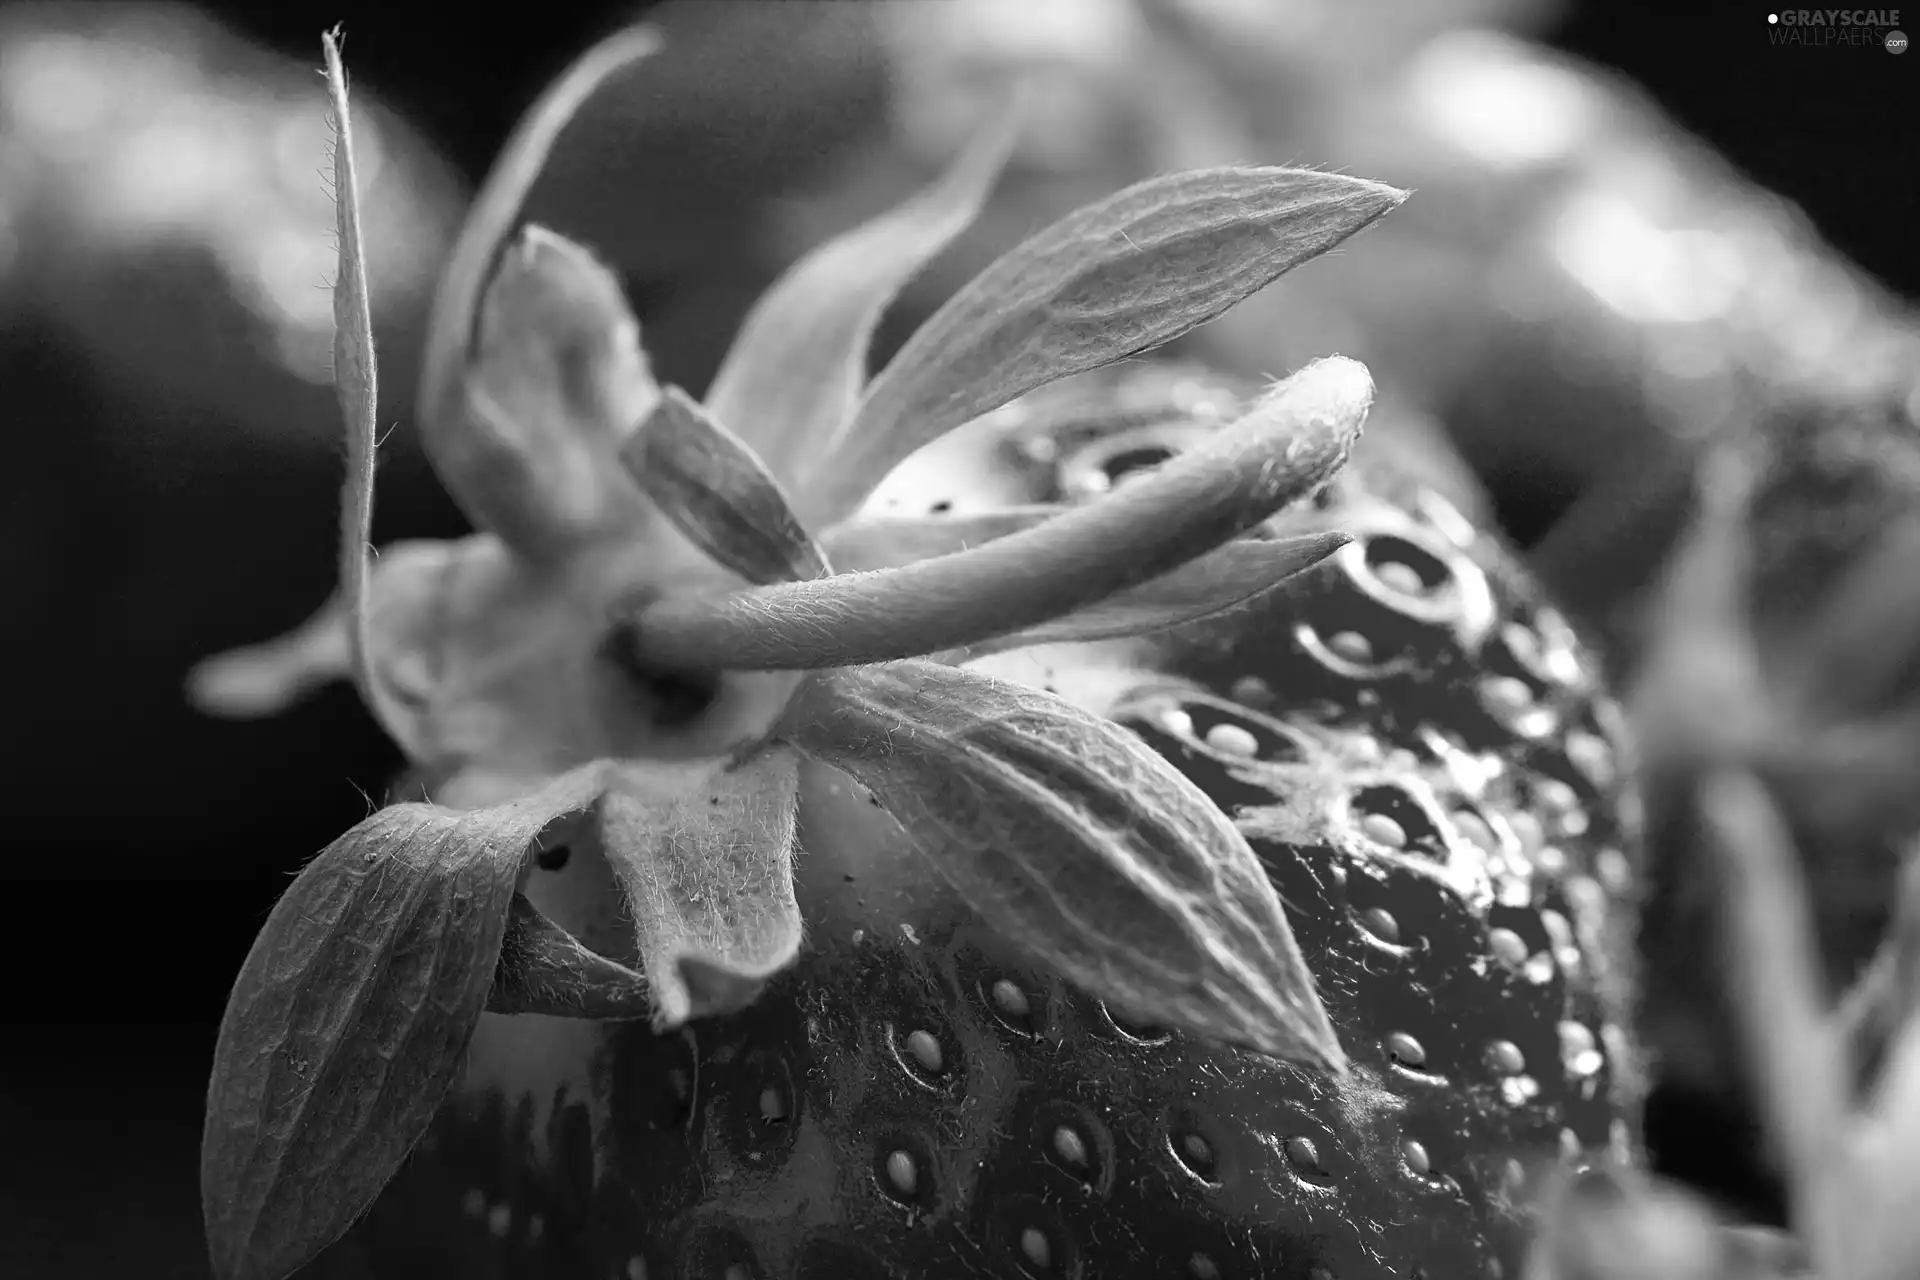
(1064, 752)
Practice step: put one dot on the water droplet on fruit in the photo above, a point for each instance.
(1136, 1031)
(1352, 646)
(1506, 693)
(925, 1050)
(1592, 756)
(902, 1174)
(1196, 1153)
(1201, 1267)
(1577, 1050)
(1175, 722)
(1400, 576)
(1070, 1146)
(1416, 1157)
(1616, 873)
(1036, 1248)
(1527, 828)
(1475, 829)
(1379, 922)
(1406, 1050)
(1252, 691)
(1304, 1155)
(1505, 1057)
(1232, 740)
(1382, 830)
(1507, 947)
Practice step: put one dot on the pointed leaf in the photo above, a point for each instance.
(350, 1018)
(886, 542)
(1075, 840)
(1220, 580)
(794, 374)
(1286, 446)
(1131, 272)
(544, 969)
(475, 467)
(704, 853)
(356, 383)
(710, 484)
(556, 381)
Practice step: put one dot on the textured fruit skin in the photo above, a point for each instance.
(915, 1099)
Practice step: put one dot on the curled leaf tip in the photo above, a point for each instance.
(1075, 840)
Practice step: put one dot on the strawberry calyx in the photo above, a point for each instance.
(647, 635)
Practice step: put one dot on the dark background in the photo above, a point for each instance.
(146, 843)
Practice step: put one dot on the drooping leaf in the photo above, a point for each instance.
(709, 483)
(704, 853)
(555, 382)
(1222, 579)
(1287, 444)
(1074, 839)
(479, 469)
(887, 542)
(794, 374)
(1130, 272)
(350, 1017)
(544, 969)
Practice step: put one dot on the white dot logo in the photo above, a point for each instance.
(1896, 42)
(1773, 17)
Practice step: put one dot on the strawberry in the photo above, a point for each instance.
(1164, 700)
(1427, 767)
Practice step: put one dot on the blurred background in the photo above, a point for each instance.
(1636, 223)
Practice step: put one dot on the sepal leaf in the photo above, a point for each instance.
(1108, 281)
(704, 853)
(712, 486)
(1072, 838)
(479, 469)
(350, 1017)
(1222, 579)
(555, 380)
(796, 370)
(544, 969)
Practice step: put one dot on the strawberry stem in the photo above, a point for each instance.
(1290, 443)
